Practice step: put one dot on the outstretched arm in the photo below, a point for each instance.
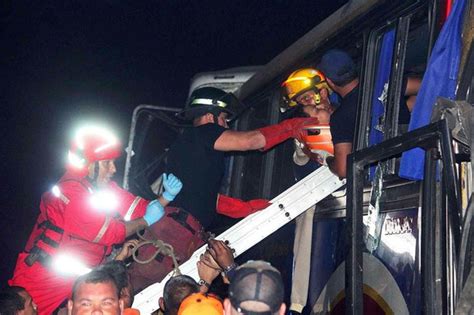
(231, 140)
(263, 138)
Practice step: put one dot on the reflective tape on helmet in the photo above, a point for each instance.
(208, 101)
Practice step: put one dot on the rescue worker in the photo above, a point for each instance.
(306, 91)
(81, 218)
(341, 75)
(210, 109)
(197, 157)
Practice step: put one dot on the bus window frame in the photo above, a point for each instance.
(401, 25)
(367, 79)
(392, 108)
(239, 160)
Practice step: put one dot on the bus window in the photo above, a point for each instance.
(384, 51)
(415, 63)
(395, 63)
(249, 167)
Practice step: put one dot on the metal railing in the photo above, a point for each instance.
(439, 220)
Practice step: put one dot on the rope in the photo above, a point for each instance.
(161, 248)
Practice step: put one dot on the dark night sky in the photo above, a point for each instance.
(64, 61)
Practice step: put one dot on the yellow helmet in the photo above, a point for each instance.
(301, 81)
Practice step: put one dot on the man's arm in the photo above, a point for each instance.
(135, 225)
(231, 140)
(337, 163)
(208, 270)
(263, 138)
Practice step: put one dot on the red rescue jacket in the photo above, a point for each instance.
(69, 222)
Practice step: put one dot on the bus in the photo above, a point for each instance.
(388, 243)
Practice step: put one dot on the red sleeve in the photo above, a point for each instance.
(131, 207)
(236, 208)
(81, 219)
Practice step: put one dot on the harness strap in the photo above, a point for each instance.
(48, 225)
(49, 241)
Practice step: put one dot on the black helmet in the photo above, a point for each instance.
(210, 100)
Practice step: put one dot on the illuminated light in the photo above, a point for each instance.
(69, 265)
(56, 192)
(104, 200)
(75, 160)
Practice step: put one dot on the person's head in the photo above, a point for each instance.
(339, 68)
(175, 291)
(307, 87)
(95, 291)
(201, 304)
(16, 301)
(256, 287)
(210, 105)
(92, 153)
(119, 272)
(321, 114)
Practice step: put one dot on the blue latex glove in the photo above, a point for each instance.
(172, 186)
(154, 212)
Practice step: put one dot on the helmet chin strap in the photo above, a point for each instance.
(317, 97)
(94, 174)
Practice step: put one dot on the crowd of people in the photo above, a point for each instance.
(70, 263)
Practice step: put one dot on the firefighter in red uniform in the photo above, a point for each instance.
(81, 218)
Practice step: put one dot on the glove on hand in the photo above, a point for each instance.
(237, 208)
(154, 212)
(172, 186)
(289, 128)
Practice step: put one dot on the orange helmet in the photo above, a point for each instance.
(301, 81)
(201, 304)
(92, 144)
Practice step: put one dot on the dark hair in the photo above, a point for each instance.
(11, 301)
(118, 271)
(95, 276)
(176, 290)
